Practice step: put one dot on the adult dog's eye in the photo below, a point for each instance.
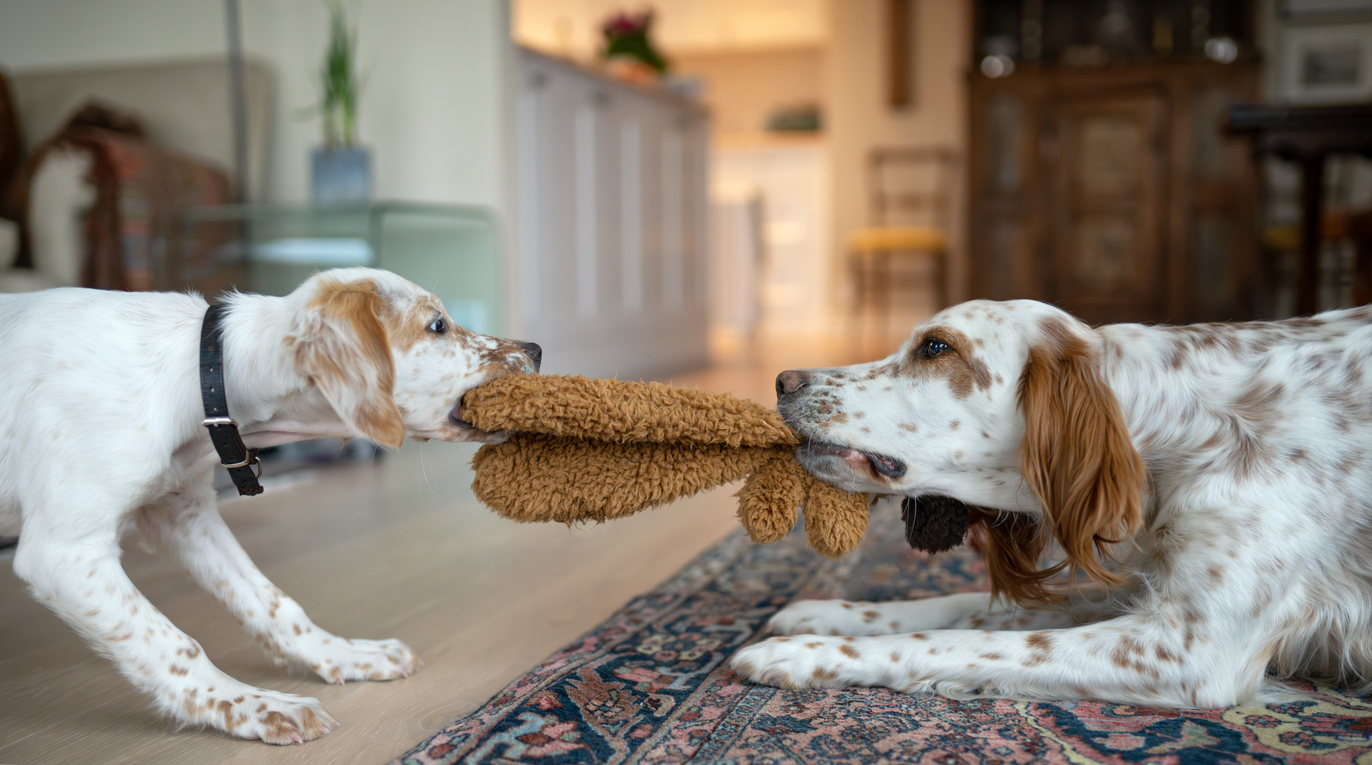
(932, 347)
(437, 326)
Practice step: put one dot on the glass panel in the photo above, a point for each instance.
(1105, 249)
(1211, 151)
(1004, 117)
(456, 257)
(999, 266)
(1112, 151)
(454, 251)
(1210, 281)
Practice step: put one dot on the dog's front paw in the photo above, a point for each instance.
(340, 660)
(800, 662)
(831, 617)
(257, 713)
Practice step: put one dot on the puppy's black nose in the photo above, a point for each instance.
(791, 381)
(535, 352)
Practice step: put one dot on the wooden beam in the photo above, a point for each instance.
(899, 80)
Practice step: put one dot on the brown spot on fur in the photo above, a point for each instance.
(1257, 403)
(821, 673)
(408, 327)
(1040, 644)
(961, 368)
(990, 656)
(848, 651)
(919, 636)
(895, 657)
(277, 724)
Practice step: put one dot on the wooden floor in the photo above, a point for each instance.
(397, 550)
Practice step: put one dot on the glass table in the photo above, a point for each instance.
(454, 251)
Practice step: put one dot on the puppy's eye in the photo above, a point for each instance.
(932, 347)
(438, 326)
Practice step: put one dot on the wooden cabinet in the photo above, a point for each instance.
(1112, 193)
(613, 230)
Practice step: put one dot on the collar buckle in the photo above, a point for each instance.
(233, 453)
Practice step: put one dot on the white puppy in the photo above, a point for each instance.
(101, 422)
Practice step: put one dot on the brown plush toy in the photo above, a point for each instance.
(584, 449)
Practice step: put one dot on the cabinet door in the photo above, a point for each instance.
(1107, 204)
(612, 223)
(1005, 196)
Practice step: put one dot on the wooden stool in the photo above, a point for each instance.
(871, 252)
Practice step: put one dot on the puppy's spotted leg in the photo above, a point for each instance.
(75, 571)
(187, 526)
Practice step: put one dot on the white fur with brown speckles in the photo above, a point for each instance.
(1254, 552)
(101, 424)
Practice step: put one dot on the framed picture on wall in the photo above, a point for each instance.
(1328, 64)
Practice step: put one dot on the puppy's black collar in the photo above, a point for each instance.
(233, 453)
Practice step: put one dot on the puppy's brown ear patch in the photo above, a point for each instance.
(341, 344)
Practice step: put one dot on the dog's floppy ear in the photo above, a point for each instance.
(342, 346)
(1076, 455)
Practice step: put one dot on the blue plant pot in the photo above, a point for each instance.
(340, 176)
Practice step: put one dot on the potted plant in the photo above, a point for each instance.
(629, 51)
(340, 170)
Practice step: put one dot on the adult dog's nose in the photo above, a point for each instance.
(791, 382)
(535, 352)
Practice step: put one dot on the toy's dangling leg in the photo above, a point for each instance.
(835, 520)
(770, 500)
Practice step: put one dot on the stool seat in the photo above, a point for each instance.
(897, 238)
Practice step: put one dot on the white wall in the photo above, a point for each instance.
(434, 106)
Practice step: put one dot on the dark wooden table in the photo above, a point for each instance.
(1307, 135)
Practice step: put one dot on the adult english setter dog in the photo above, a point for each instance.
(101, 424)
(1213, 480)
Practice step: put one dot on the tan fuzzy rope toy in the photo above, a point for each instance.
(584, 449)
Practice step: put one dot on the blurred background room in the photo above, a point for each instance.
(640, 186)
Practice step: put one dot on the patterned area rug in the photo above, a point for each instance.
(650, 686)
